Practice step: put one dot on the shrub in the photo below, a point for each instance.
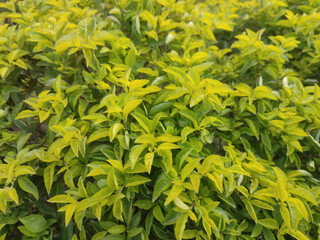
(159, 119)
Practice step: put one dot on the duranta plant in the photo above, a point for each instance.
(159, 119)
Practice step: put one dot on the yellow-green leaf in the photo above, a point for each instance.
(175, 192)
(146, 15)
(114, 130)
(135, 154)
(27, 114)
(13, 195)
(250, 209)
(269, 223)
(180, 226)
(148, 160)
(130, 106)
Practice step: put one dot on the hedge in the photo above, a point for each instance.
(159, 119)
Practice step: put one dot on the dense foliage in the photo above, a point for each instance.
(159, 119)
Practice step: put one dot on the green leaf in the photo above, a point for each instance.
(253, 127)
(180, 226)
(101, 133)
(189, 114)
(301, 207)
(22, 141)
(27, 186)
(263, 92)
(250, 209)
(20, 63)
(174, 193)
(136, 180)
(282, 184)
(143, 121)
(117, 229)
(177, 93)
(268, 234)
(117, 210)
(162, 184)
(130, 59)
(27, 114)
(70, 208)
(304, 193)
(87, 55)
(157, 213)
(48, 176)
(148, 224)
(135, 154)
(166, 155)
(171, 217)
(130, 106)
(196, 98)
(68, 179)
(112, 180)
(256, 231)
(146, 15)
(98, 236)
(167, 146)
(298, 235)
(315, 143)
(261, 204)
(269, 223)
(34, 223)
(61, 199)
(186, 171)
(134, 232)
(144, 204)
(113, 131)
(168, 138)
(285, 215)
(216, 179)
(13, 195)
(148, 160)
(248, 65)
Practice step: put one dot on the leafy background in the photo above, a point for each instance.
(159, 119)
